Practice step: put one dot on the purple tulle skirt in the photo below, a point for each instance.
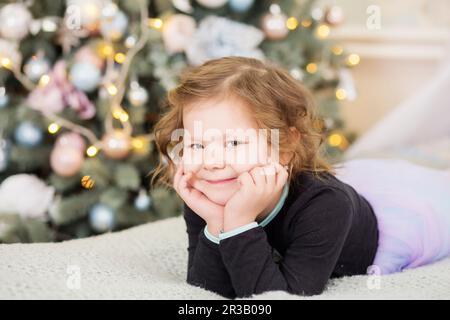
(412, 206)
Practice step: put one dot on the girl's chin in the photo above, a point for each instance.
(220, 199)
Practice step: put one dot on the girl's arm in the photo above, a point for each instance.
(205, 265)
(317, 238)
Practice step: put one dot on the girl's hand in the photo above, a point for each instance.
(209, 211)
(257, 187)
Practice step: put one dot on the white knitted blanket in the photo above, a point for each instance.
(149, 262)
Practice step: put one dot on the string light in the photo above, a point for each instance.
(306, 23)
(337, 140)
(119, 57)
(44, 80)
(341, 94)
(53, 128)
(353, 59)
(120, 114)
(105, 50)
(91, 151)
(337, 50)
(5, 62)
(323, 31)
(311, 67)
(155, 23)
(112, 89)
(292, 23)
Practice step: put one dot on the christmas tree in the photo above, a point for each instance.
(82, 82)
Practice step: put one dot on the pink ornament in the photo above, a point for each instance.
(116, 144)
(274, 23)
(60, 93)
(86, 54)
(71, 140)
(66, 161)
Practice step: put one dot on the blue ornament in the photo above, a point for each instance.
(240, 5)
(4, 98)
(27, 134)
(85, 76)
(102, 218)
(142, 201)
(4, 154)
(114, 27)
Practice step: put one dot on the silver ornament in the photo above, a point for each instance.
(142, 201)
(101, 218)
(4, 98)
(36, 67)
(4, 153)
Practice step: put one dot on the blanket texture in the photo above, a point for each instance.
(149, 262)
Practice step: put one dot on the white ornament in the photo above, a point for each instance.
(137, 95)
(26, 195)
(217, 37)
(183, 5)
(85, 76)
(114, 24)
(212, 3)
(15, 20)
(84, 12)
(178, 32)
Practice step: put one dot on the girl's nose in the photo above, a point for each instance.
(214, 157)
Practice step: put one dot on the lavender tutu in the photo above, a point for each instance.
(412, 206)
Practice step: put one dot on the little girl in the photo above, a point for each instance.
(268, 213)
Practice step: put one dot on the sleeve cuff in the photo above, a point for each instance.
(228, 234)
(238, 230)
(209, 236)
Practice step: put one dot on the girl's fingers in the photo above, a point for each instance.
(270, 172)
(177, 176)
(183, 184)
(246, 180)
(258, 176)
(282, 176)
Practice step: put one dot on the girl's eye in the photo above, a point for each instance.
(233, 143)
(196, 146)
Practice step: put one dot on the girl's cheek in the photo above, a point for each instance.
(191, 162)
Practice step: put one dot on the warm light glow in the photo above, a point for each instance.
(323, 31)
(44, 80)
(353, 59)
(119, 57)
(337, 50)
(138, 143)
(91, 151)
(155, 23)
(121, 115)
(112, 89)
(292, 23)
(5, 62)
(341, 94)
(335, 139)
(105, 50)
(306, 23)
(53, 128)
(311, 67)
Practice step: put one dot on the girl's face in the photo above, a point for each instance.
(221, 141)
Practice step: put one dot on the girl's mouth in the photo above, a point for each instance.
(224, 181)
